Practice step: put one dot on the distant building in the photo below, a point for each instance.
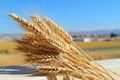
(82, 39)
(87, 40)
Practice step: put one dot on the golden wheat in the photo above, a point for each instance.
(47, 44)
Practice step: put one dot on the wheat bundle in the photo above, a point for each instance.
(46, 43)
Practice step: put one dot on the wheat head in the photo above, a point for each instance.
(46, 43)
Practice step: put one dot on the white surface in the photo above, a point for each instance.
(21, 77)
(110, 62)
(113, 64)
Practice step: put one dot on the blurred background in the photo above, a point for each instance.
(93, 24)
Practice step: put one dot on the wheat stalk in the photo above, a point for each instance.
(52, 77)
(66, 77)
(48, 44)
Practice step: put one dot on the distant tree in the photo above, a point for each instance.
(113, 35)
(74, 36)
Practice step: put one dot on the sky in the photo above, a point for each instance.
(72, 15)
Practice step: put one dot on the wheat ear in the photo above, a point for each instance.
(44, 37)
(53, 70)
(58, 30)
(52, 39)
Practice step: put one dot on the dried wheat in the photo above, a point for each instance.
(46, 43)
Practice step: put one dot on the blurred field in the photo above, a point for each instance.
(8, 48)
(11, 59)
(101, 50)
(97, 50)
(98, 44)
(7, 45)
(8, 54)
